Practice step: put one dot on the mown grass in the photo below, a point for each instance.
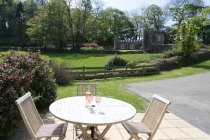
(115, 87)
(96, 60)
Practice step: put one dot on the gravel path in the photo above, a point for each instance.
(189, 96)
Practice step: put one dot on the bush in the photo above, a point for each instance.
(183, 61)
(186, 38)
(116, 61)
(94, 45)
(174, 52)
(132, 63)
(20, 73)
(62, 75)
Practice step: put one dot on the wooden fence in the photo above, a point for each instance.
(83, 73)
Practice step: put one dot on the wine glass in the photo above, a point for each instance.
(98, 99)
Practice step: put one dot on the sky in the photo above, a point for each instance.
(129, 5)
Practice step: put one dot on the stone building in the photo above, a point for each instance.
(153, 42)
(128, 44)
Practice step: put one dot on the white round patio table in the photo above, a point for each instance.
(73, 110)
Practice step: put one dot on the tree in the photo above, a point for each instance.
(56, 15)
(148, 17)
(7, 20)
(186, 38)
(83, 16)
(79, 18)
(50, 24)
(115, 22)
(13, 21)
(29, 10)
(202, 21)
(4, 4)
(38, 28)
(19, 21)
(155, 16)
(170, 35)
(136, 20)
(181, 10)
(140, 21)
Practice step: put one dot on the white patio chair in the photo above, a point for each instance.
(151, 120)
(34, 124)
(82, 88)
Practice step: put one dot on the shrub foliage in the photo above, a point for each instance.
(186, 38)
(116, 61)
(62, 75)
(20, 73)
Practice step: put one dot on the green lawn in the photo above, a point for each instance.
(114, 87)
(95, 60)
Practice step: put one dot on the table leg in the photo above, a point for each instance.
(104, 132)
(92, 128)
(84, 132)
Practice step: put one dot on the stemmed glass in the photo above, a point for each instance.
(97, 100)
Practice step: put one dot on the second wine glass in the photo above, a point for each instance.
(98, 99)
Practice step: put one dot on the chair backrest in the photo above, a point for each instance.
(29, 114)
(82, 88)
(155, 113)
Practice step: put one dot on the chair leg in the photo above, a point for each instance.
(131, 138)
(135, 136)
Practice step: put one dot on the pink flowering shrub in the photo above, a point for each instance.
(20, 73)
(94, 45)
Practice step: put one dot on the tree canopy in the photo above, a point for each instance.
(71, 23)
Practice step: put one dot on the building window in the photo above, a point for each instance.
(159, 38)
(122, 46)
(131, 46)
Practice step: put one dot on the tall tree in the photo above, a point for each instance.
(4, 4)
(186, 38)
(181, 10)
(29, 9)
(202, 21)
(19, 21)
(50, 24)
(7, 20)
(38, 27)
(155, 16)
(136, 20)
(115, 22)
(82, 17)
(148, 17)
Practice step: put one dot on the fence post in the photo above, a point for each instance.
(144, 71)
(83, 75)
(158, 69)
(105, 72)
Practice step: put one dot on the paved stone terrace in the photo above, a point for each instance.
(171, 128)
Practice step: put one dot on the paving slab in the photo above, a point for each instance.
(168, 130)
(189, 96)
